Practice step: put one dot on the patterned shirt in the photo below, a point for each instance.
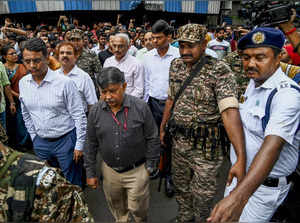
(199, 102)
(84, 84)
(4, 82)
(52, 108)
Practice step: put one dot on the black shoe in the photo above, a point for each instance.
(169, 187)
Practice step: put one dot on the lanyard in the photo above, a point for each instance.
(117, 121)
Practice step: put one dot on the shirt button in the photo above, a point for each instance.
(117, 146)
(118, 158)
(116, 133)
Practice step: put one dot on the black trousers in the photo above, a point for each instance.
(157, 108)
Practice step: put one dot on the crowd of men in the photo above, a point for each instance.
(71, 92)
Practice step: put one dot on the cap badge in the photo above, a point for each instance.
(258, 38)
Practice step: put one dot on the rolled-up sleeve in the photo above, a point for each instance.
(284, 115)
(226, 87)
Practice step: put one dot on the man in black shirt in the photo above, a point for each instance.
(109, 51)
(121, 127)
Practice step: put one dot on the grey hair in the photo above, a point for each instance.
(124, 36)
(110, 75)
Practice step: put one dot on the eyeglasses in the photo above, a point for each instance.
(34, 61)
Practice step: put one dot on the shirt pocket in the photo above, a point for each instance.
(134, 136)
(129, 79)
(254, 120)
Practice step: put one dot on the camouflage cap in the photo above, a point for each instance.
(76, 33)
(192, 33)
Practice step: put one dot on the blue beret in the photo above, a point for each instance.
(262, 37)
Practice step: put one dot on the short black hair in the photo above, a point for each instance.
(6, 48)
(218, 29)
(110, 75)
(161, 26)
(276, 51)
(36, 45)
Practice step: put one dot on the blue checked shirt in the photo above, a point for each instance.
(52, 108)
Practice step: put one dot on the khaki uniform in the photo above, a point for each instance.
(197, 161)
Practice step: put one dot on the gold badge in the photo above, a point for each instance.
(258, 38)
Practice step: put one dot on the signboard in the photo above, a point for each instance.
(154, 5)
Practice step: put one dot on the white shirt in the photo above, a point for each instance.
(84, 84)
(96, 49)
(157, 72)
(284, 121)
(52, 108)
(221, 48)
(134, 73)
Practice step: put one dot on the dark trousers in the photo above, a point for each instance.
(59, 153)
(157, 108)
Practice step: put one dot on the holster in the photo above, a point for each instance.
(211, 136)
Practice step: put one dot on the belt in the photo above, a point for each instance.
(133, 166)
(161, 102)
(275, 182)
(58, 138)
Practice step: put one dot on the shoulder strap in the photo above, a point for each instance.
(266, 118)
(188, 81)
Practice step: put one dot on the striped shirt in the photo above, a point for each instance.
(52, 108)
(85, 85)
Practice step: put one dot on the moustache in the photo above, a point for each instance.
(186, 55)
(110, 101)
(252, 70)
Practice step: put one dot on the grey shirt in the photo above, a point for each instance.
(120, 147)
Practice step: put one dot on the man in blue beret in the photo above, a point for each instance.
(270, 127)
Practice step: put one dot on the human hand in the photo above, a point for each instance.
(12, 108)
(92, 182)
(77, 155)
(162, 134)
(227, 210)
(238, 170)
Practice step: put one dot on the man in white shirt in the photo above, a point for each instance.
(53, 113)
(67, 56)
(271, 132)
(147, 46)
(101, 46)
(157, 64)
(132, 68)
(219, 45)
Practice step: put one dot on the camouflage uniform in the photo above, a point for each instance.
(87, 61)
(55, 200)
(234, 61)
(196, 162)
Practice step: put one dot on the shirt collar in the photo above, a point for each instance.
(271, 81)
(126, 103)
(123, 58)
(74, 71)
(169, 52)
(48, 78)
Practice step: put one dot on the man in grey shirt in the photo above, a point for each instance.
(122, 129)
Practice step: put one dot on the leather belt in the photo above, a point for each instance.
(274, 182)
(56, 139)
(133, 166)
(161, 102)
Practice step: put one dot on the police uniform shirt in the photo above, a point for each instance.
(284, 121)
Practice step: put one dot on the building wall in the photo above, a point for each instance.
(211, 7)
